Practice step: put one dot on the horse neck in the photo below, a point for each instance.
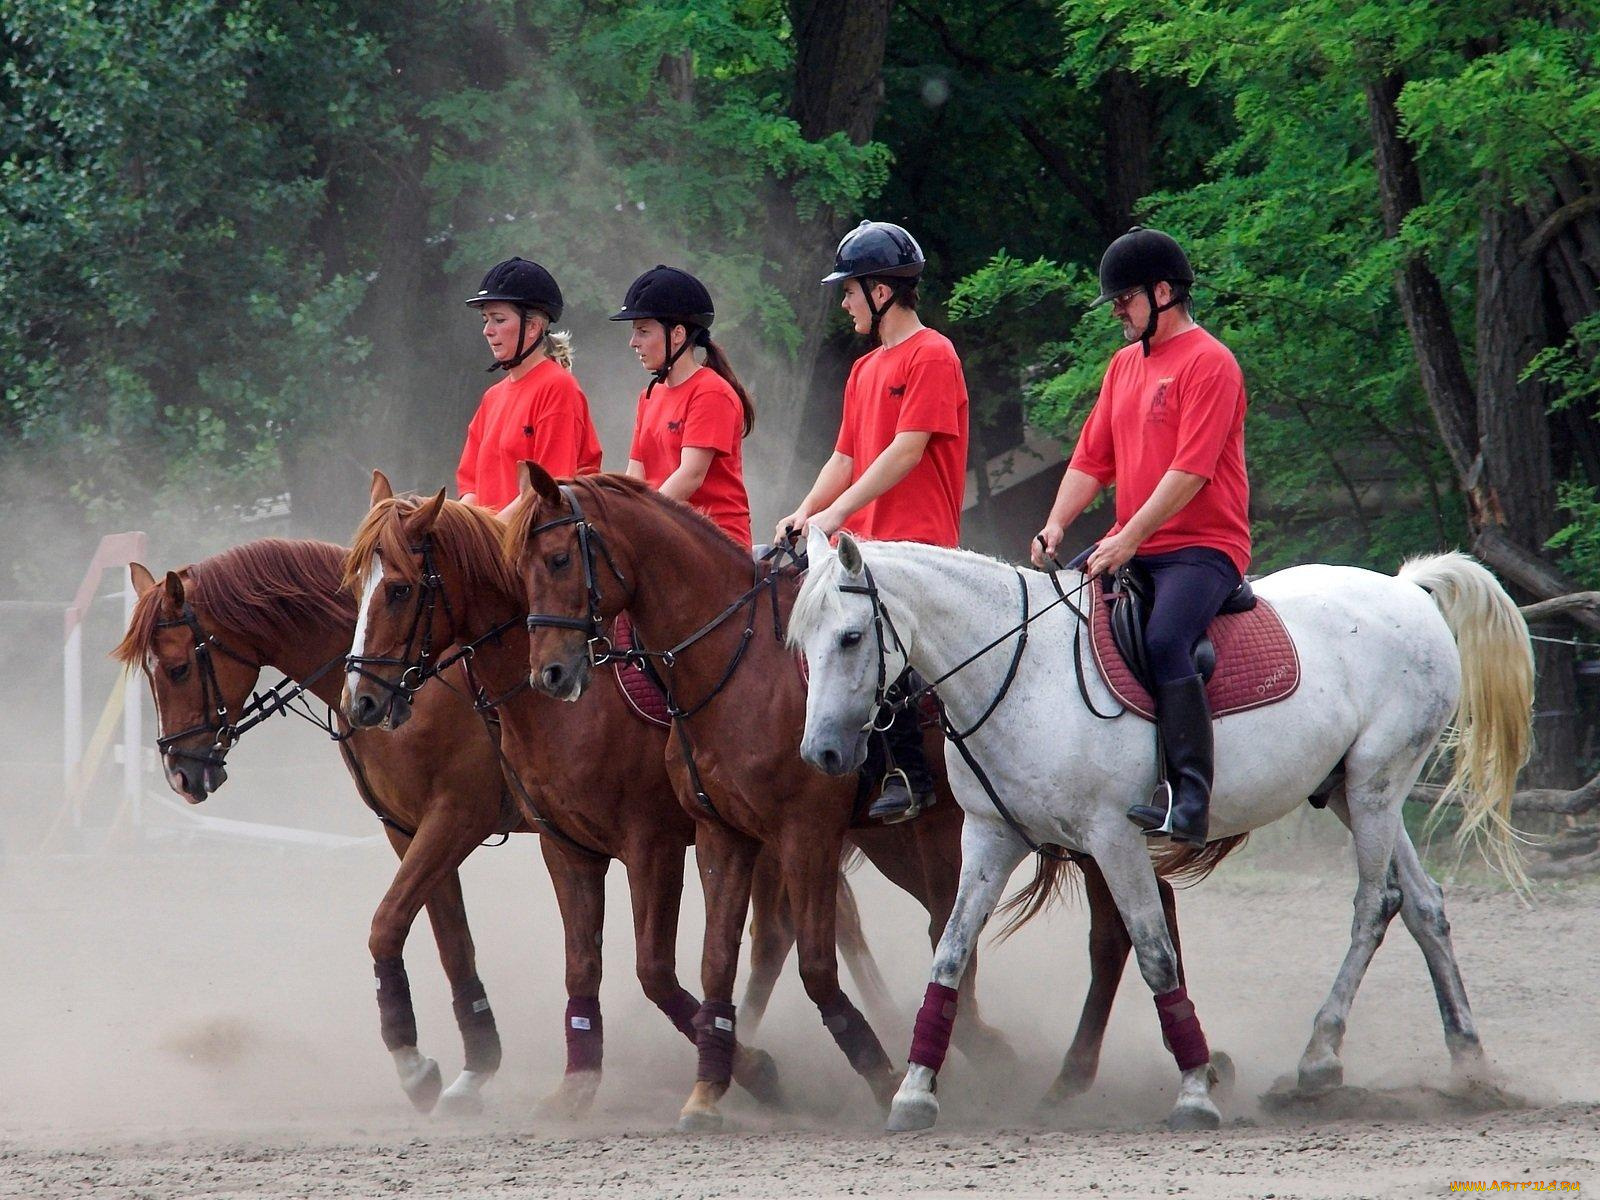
(960, 604)
(498, 663)
(300, 652)
(685, 582)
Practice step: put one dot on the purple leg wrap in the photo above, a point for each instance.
(1180, 1029)
(395, 1016)
(713, 1030)
(475, 1019)
(935, 1019)
(680, 1009)
(585, 1038)
(854, 1035)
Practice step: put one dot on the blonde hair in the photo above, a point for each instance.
(558, 345)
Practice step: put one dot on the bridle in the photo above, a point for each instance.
(600, 648)
(215, 725)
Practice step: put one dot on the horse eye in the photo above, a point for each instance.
(850, 640)
(178, 673)
(399, 591)
(560, 561)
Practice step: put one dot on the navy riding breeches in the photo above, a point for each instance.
(1190, 587)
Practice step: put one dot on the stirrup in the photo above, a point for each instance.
(1155, 818)
(898, 815)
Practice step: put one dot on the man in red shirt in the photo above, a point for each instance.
(537, 412)
(899, 467)
(1168, 432)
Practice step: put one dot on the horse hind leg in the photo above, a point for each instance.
(1371, 808)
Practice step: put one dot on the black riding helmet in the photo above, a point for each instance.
(528, 286)
(1143, 258)
(877, 250)
(673, 297)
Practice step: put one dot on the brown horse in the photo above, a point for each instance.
(203, 636)
(590, 776)
(605, 543)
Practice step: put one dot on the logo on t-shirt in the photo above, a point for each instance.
(897, 392)
(1158, 413)
(527, 431)
(674, 426)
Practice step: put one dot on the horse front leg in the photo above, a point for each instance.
(726, 859)
(811, 877)
(435, 851)
(989, 853)
(480, 1039)
(580, 884)
(1125, 863)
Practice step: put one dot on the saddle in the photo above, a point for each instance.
(1246, 655)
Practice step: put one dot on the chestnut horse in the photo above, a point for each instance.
(604, 543)
(202, 637)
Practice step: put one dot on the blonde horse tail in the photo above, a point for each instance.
(1493, 731)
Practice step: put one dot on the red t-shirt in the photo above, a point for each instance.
(544, 417)
(915, 386)
(702, 412)
(1180, 409)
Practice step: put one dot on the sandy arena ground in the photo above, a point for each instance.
(195, 1018)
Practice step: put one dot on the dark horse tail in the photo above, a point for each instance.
(1176, 863)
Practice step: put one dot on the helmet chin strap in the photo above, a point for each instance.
(505, 364)
(1155, 315)
(875, 310)
(659, 375)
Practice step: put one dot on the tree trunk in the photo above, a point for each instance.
(1128, 116)
(838, 88)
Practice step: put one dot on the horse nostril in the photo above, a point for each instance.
(552, 676)
(364, 709)
(832, 761)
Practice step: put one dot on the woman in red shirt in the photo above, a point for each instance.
(537, 411)
(692, 418)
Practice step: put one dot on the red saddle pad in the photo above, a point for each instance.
(643, 696)
(1256, 660)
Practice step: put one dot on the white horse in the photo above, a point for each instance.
(1385, 664)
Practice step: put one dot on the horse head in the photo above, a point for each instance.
(852, 650)
(571, 581)
(199, 682)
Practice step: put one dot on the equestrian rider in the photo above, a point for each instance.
(537, 411)
(692, 418)
(899, 467)
(1168, 432)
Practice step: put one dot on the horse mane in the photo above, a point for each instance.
(597, 493)
(465, 538)
(258, 591)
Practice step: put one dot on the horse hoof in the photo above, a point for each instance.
(910, 1113)
(424, 1086)
(756, 1072)
(460, 1106)
(1323, 1076)
(700, 1121)
(1223, 1075)
(572, 1099)
(1192, 1117)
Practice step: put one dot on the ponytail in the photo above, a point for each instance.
(718, 362)
(558, 345)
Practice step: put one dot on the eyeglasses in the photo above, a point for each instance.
(1123, 299)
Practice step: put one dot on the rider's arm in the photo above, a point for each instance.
(1174, 491)
(897, 461)
(693, 464)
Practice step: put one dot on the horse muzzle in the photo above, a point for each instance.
(195, 778)
(835, 751)
(563, 680)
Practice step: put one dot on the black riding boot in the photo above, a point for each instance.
(1185, 721)
(908, 788)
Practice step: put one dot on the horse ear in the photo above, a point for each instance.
(174, 589)
(534, 478)
(816, 544)
(429, 513)
(849, 554)
(381, 488)
(143, 581)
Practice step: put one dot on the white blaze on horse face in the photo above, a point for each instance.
(352, 678)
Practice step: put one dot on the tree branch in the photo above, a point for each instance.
(1551, 227)
(1562, 606)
